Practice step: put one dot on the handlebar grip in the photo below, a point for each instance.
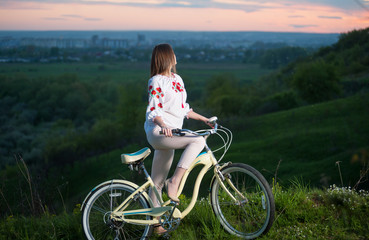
(213, 120)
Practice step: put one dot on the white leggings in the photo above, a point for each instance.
(164, 153)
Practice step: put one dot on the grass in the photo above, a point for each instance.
(301, 213)
(63, 226)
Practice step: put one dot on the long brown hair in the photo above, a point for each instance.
(162, 59)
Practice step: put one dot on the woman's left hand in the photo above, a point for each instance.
(197, 116)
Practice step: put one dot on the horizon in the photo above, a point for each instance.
(189, 31)
(306, 16)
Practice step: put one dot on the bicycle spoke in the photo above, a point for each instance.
(250, 215)
(99, 209)
(96, 217)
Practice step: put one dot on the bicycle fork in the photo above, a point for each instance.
(228, 179)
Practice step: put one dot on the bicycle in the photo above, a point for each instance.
(240, 197)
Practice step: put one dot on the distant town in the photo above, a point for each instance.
(29, 46)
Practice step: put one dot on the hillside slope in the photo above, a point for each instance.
(309, 141)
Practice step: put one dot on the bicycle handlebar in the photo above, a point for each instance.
(180, 132)
(175, 131)
(224, 133)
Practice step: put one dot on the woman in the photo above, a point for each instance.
(166, 110)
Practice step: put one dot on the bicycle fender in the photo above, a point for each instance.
(109, 182)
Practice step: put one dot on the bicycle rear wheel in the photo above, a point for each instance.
(96, 220)
(252, 214)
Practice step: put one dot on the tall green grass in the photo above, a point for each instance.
(301, 213)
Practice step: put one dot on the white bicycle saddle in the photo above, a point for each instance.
(129, 158)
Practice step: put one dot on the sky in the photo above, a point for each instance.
(315, 16)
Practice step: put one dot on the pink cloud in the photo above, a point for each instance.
(271, 17)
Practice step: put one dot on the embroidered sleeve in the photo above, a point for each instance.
(179, 87)
(156, 99)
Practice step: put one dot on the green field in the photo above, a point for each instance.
(135, 71)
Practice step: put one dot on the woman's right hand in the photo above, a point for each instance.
(166, 131)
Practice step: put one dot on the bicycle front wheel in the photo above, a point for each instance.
(251, 212)
(96, 220)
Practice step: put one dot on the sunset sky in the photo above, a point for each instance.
(319, 16)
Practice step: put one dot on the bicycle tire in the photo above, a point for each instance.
(96, 223)
(249, 217)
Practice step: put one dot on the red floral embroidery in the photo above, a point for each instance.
(156, 93)
(177, 87)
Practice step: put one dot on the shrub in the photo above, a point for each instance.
(316, 81)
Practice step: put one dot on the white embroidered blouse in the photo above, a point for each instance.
(167, 98)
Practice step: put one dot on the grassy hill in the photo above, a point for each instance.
(309, 141)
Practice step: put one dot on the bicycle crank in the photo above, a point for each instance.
(169, 224)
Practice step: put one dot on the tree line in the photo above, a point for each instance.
(267, 55)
